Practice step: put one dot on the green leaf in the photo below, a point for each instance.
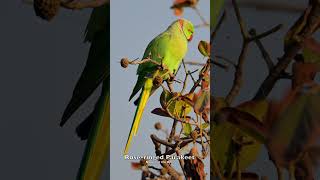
(223, 147)
(311, 56)
(160, 112)
(311, 51)
(244, 121)
(165, 98)
(179, 108)
(201, 101)
(97, 66)
(217, 103)
(215, 9)
(258, 109)
(205, 125)
(204, 48)
(187, 129)
(296, 128)
(235, 127)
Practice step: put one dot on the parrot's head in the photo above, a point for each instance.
(186, 27)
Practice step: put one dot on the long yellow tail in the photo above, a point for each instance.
(139, 111)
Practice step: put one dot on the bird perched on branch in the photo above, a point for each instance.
(168, 49)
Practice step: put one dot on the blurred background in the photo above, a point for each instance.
(261, 15)
(40, 64)
(133, 25)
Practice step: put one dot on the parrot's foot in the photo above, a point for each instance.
(170, 85)
(172, 76)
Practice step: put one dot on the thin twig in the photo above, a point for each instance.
(267, 33)
(186, 77)
(194, 63)
(181, 162)
(155, 138)
(204, 21)
(247, 39)
(226, 60)
(201, 25)
(240, 20)
(172, 133)
(263, 51)
(137, 62)
(218, 26)
(197, 83)
(237, 82)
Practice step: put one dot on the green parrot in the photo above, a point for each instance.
(168, 48)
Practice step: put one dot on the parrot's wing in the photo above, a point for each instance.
(156, 50)
(138, 86)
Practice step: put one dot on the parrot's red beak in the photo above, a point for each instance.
(190, 38)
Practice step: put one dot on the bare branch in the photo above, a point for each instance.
(263, 51)
(267, 33)
(226, 60)
(218, 26)
(172, 133)
(291, 52)
(237, 82)
(204, 21)
(240, 20)
(75, 4)
(197, 83)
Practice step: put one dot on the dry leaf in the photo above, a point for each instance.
(178, 5)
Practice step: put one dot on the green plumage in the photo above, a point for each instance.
(168, 48)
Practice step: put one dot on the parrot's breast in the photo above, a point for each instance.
(176, 52)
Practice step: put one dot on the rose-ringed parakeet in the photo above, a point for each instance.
(168, 49)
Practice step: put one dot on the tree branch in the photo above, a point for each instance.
(247, 39)
(217, 28)
(290, 53)
(75, 4)
(263, 51)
